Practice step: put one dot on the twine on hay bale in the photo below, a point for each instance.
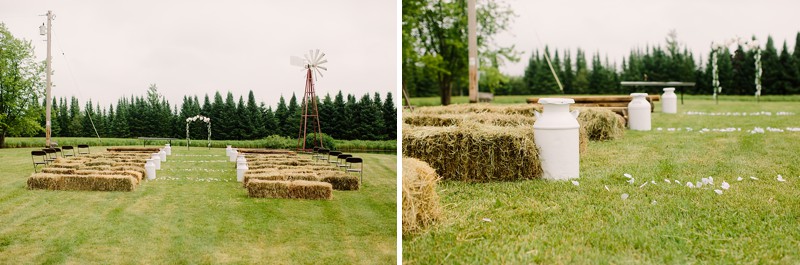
(299, 189)
(475, 152)
(340, 180)
(420, 200)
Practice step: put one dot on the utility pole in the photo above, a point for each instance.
(48, 102)
(472, 40)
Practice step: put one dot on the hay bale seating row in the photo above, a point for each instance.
(420, 200)
(475, 152)
(599, 124)
(134, 149)
(340, 180)
(49, 181)
(267, 151)
(298, 189)
(95, 172)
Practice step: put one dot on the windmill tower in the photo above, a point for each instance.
(312, 64)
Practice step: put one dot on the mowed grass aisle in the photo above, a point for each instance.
(547, 222)
(195, 212)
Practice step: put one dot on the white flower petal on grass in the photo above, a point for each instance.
(667, 180)
(705, 180)
(739, 179)
(780, 178)
(725, 185)
(575, 182)
(653, 202)
(631, 181)
(699, 184)
(624, 196)
(690, 185)
(486, 220)
(711, 180)
(718, 192)
(678, 181)
(653, 181)
(607, 187)
(645, 183)
(753, 178)
(627, 175)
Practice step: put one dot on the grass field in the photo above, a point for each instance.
(520, 99)
(195, 212)
(546, 222)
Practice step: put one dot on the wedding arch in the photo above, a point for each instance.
(732, 45)
(202, 118)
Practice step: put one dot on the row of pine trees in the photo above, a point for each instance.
(341, 117)
(781, 71)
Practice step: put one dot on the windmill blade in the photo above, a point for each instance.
(316, 56)
(321, 56)
(307, 62)
(322, 62)
(322, 67)
(296, 61)
(320, 73)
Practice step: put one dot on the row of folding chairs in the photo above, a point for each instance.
(339, 159)
(47, 155)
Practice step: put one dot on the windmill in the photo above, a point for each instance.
(313, 65)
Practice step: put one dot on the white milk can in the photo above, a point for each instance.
(241, 168)
(669, 101)
(555, 134)
(228, 150)
(639, 112)
(168, 149)
(232, 155)
(150, 169)
(156, 160)
(163, 155)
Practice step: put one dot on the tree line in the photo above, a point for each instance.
(341, 117)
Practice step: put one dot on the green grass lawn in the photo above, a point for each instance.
(548, 222)
(195, 212)
(520, 99)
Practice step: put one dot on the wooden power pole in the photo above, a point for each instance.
(473, 51)
(48, 101)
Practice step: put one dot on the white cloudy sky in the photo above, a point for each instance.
(614, 27)
(118, 48)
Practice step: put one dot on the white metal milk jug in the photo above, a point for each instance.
(669, 101)
(150, 169)
(156, 160)
(639, 112)
(555, 134)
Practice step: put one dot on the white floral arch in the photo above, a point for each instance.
(202, 118)
(732, 46)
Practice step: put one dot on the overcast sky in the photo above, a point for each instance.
(118, 48)
(614, 27)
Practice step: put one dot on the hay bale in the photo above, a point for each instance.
(267, 189)
(98, 182)
(66, 165)
(277, 176)
(601, 124)
(266, 151)
(420, 200)
(56, 170)
(523, 109)
(136, 175)
(312, 190)
(134, 149)
(45, 181)
(99, 162)
(339, 180)
(475, 152)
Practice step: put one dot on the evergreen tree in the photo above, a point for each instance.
(293, 120)
(368, 119)
(787, 81)
(581, 83)
(390, 117)
(569, 75)
(327, 116)
(271, 126)
(281, 116)
(255, 117)
(771, 66)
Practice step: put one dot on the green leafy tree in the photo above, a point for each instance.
(20, 87)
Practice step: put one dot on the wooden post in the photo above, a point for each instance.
(473, 51)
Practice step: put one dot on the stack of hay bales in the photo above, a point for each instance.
(95, 172)
(484, 142)
(420, 200)
(286, 175)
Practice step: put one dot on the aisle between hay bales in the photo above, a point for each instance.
(195, 212)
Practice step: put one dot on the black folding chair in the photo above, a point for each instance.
(323, 154)
(64, 151)
(42, 155)
(81, 151)
(335, 154)
(341, 159)
(315, 153)
(50, 155)
(355, 160)
(58, 152)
